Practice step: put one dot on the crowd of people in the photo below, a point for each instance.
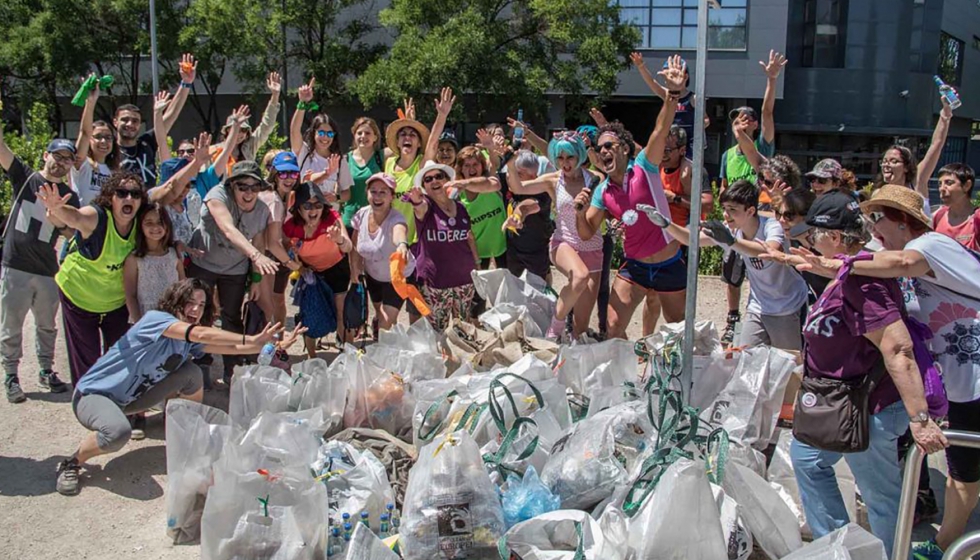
(160, 245)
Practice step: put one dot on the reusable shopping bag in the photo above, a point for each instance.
(355, 481)
(559, 535)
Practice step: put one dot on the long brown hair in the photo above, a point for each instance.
(114, 157)
(168, 241)
(309, 139)
(179, 294)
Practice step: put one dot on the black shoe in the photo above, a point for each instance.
(138, 422)
(728, 337)
(49, 380)
(14, 393)
(68, 477)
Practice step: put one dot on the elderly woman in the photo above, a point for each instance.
(232, 236)
(856, 324)
(150, 364)
(941, 283)
(527, 247)
(93, 300)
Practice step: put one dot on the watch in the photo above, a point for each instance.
(921, 418)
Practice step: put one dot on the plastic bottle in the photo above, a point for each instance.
(348, 529)
(385, 528)
(364, 519)
(335, 543)
(345, 518)
(948, 92)
(519, 131)
(394, 518)
(267, 354)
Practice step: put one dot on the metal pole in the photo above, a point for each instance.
(285, 75)
(691, 304)
(963, 547)
(153, 46)
(910, 486)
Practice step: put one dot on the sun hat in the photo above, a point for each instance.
(383, 177)
(900, 198)
(826, 169)
(391, 133)
(432, 166)
(303, 193)
(231, 122)
(247, 168)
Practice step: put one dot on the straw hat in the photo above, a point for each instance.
(391, 133)
(900, 198)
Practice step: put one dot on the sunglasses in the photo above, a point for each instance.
(440, 176)
(102, 137)
(785, 215)
(607, 146)
(289, 175)
(245, 187)
(876, 217)
(187, 152)
(123, 194)
(327, 133)
(312, 206)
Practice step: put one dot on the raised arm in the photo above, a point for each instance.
(241, 116)
(85, 126)
(477, 184)
(305, 93)
(83, 220)
(539, 144)
(745, 143)
(420, 203)
(931, 159)
(443, 106)
(651, 81)
(270, 117)
(543, 184)
(6, 156)
(188, 73)
(160, 129)
(772, 68)
(674, 77)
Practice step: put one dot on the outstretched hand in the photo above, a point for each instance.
(445, 102)
(51, 198)
(673, 74)
(775, 65)
(188, 68)
(290, 338)
(274, 83)
(598, 117)
(161, 101)
(201, 149)
(654, 215)
(815, 263)
(718, 232)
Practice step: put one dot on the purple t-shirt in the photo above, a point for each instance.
(443, 258)
(835, 329)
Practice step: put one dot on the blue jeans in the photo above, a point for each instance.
(876, 472)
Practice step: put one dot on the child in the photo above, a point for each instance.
(777, 293)
(957, 218)
(153, 266)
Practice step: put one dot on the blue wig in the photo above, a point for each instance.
(567, 143)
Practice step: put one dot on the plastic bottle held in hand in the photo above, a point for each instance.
(267, 354)
(948, 92)
(519, 131)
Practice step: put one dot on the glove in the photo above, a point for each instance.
(105, 82)
(718, 232)
(654, 215)
(397, 264)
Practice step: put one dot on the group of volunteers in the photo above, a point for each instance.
(161, 242)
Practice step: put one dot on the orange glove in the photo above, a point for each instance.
(404, 289)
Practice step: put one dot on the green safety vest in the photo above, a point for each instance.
(97, 286)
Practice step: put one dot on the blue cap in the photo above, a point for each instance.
(61, 144)
(169, 168)
(285, 161)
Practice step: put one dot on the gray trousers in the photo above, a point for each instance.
(101, 414)
(779, 331)
(21, 292)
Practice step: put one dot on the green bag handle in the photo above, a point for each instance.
(470, 416)
(495, 460)
(433, 408)
(496, 410)
(504, 551)
(717, 441)
(651, 472)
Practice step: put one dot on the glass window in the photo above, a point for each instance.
(824, 33)
(950, 59)
(672, 24)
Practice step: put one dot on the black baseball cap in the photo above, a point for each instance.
(61, 145)
(746, 110)
(304, 192)
(836, 210)
(449, 136)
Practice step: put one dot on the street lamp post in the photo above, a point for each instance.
(153, 46)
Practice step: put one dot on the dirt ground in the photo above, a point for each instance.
(120, 512)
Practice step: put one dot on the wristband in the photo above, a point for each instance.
(307, 106)
(186, 85)
(256, 277)
(405, 243)
(187, 333)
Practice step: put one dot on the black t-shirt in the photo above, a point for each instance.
(28, 243)
(536, 233)
(141, 158)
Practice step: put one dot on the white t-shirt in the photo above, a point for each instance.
(953, 318)
(87, 180)
(315, 163)
(774, 289)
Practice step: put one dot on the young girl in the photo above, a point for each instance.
(320, 242)
(154, 266)
(319, 151)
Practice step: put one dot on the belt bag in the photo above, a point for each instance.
(834, 414)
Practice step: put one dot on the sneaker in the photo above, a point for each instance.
(49, 380)
(925, 506)
(14, 393)
(927, 550)
(138, 422)
(556, 330)
(68, 477)
(728, 337)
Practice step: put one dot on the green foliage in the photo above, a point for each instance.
(275, 142)
(28, 147)
(710, 258)
(515, 51)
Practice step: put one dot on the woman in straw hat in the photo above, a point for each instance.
(941, 282)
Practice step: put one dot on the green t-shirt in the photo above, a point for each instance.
(404, 181)
(358, 191)
(487, 216)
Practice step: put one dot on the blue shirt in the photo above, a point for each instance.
(206, 180)
(140, 359)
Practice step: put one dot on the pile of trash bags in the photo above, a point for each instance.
(449, 445)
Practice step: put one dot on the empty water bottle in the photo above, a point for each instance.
(384, 530)
(948, 92)
(394, 517)
(267, 354)
(519, 130)
(365, 520)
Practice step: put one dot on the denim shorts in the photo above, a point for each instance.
(667, 276)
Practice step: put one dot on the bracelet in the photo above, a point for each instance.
(186, 85)
(256, 277)
(405, 243)
(187, 333)
(413, 203)
(307, 106)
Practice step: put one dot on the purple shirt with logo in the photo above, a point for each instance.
(835, 329)
(443, 258)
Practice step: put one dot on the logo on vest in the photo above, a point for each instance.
(808, 400)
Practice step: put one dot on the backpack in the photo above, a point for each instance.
(355, 307)
(317, 311)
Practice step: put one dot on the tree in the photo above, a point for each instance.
(514, 51)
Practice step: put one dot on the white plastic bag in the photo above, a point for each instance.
(364, 545)
(282, 439)
(256, 389)
(738, 538)
(772, 523)
(500, 286)
(411, 365)
(586, 368)
(560, 535)
(196, 434)
(850, 542)
(355, 481)
(451, 509)
(317, 385)
(378, 398)
(679, 520)
(419, 337)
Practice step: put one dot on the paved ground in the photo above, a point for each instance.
(120, 511)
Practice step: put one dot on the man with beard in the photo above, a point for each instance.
(30, 263)
(139, 151)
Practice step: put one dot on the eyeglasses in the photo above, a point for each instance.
(607, 146)
(62, 159)
(102, 137)
(245, 187)
(785, 215)
(312, 206)
(440, 176)
(186, 152)
(289, 174)
(876, 217)
(123, 194)
(327, 133)
(891, 162)
(668, 151)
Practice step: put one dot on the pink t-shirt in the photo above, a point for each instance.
(835, 328)
(965, 233)
(642, 186)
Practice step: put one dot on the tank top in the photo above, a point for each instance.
(156, 274)
(487, 216)
(684, 117)
(672, 182)
(358, 191)
(404, 181)
(565, 230)
(96, 284)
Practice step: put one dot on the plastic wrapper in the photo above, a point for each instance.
(196, 434)
(364, 545)
(850, 542)
(452, 510)
(256, 389)
(738, 539)
(561, 535)
(527, 497)
(355, 481)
